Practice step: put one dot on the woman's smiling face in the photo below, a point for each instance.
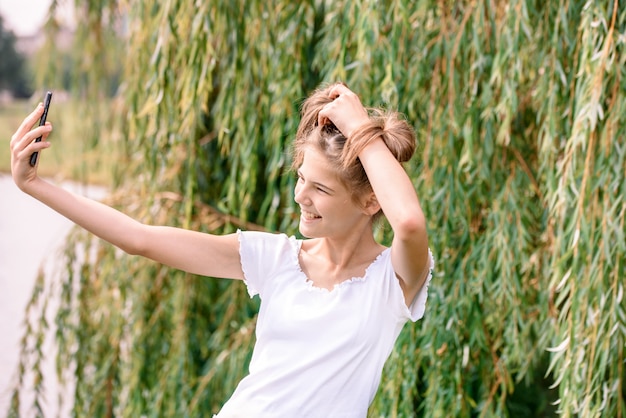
(326, 205)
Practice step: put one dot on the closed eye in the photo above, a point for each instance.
(318, 186)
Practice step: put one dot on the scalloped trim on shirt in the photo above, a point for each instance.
(311, 287)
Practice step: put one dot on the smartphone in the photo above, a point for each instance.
(42, 121)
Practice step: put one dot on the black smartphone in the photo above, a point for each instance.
(42, 121)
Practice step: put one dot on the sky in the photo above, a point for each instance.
(26, 17)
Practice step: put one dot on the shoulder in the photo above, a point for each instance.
(263, 255)
(266, 247)
(262, 239)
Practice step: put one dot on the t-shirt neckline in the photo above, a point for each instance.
(304, 279)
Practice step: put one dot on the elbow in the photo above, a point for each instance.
(136, 242)
(411, 227)
(132, 250)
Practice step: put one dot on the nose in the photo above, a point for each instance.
(299, 195)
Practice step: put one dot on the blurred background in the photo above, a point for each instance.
(182, 113)
(31, 235)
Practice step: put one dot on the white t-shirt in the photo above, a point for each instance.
(318, 353)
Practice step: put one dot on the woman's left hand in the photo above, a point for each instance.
(345, 111)
(23, 145)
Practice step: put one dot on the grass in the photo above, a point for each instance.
(71, 156)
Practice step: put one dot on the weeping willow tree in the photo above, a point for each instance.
(520, 110)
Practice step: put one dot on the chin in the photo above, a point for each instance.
(304, 232)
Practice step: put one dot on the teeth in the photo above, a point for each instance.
(309, 215)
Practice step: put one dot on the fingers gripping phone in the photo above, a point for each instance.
(42, 121)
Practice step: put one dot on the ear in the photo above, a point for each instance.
(370, 204)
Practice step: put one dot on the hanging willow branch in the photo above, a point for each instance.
(520, 109)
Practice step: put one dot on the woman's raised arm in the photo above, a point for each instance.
(195, 252)
(393, 190)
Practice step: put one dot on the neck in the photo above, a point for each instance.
(346, 251)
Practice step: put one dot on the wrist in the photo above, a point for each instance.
(31, 186)
(361, 138)
(372, 149)
(356, 126)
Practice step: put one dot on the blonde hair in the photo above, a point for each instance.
(342, 152)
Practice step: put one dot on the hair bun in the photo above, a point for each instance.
(395, 132)
(398, 135)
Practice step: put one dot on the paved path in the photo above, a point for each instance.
(30, 236)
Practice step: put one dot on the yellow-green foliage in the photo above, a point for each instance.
(520, 110)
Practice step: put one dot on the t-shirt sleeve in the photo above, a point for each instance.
(415, 311)
(262, 254)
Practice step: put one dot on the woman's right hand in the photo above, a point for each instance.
(23, 145)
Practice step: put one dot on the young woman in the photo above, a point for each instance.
(332, 305)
